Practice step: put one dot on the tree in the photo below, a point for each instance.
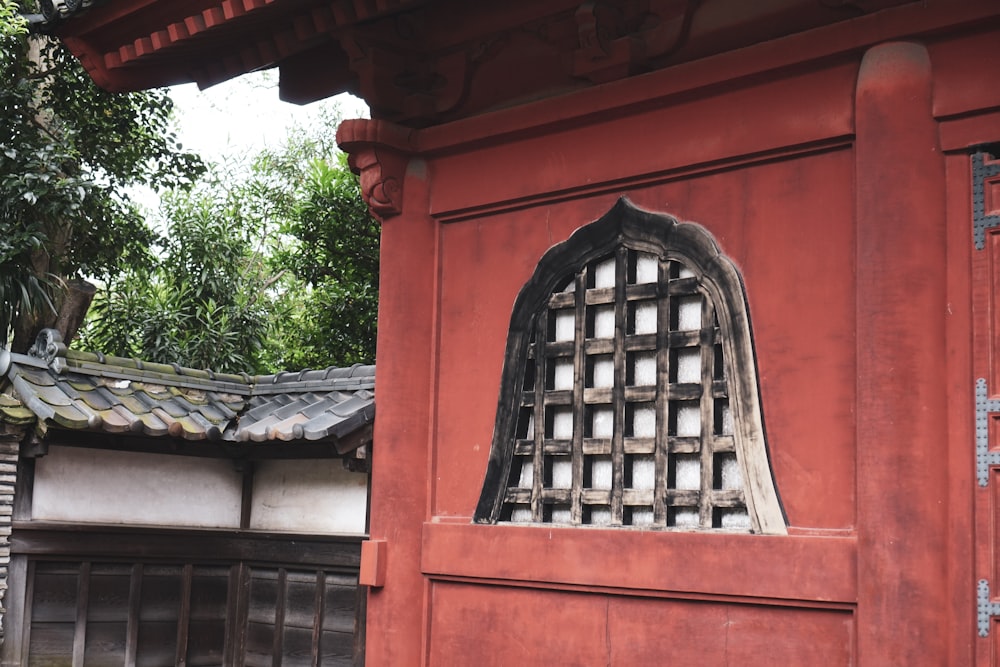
(206, 300)
(68, 151)
(266, 267)
(11, 23)
(336, 255)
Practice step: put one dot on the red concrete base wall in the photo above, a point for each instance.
(495, 626)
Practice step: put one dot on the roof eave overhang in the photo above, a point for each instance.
(425, 62)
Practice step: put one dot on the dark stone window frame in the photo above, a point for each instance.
(621, 233)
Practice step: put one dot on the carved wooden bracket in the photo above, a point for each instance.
(378, 151)
(615, 39)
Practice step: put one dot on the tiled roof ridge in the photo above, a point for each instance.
(85, 390)
(356, 376)
(50, 353)
(125, 368)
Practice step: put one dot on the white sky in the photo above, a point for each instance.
(238, 118)
(243, 115)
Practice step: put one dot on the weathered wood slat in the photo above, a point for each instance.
(82, 603)
(541, 425)
(558, 348)
(557, 447)
(156, 644)
(707, 409)
(106, 644)
(183, 616)
(339, 604)
(618, 393)
(642, 291)
(43, 538)
(596, 446)
(683, 445)
(640, 445)
(600, 296)
(637, 497)
(561, 300)
(297, 648)
(207, 642)
(109, 593)
(277, 647)
(162, 588)
(727, 498)
(643, 394)
(319, 597)
(664, 370)
(683, 392)
(684, 338)
(683, 286)
(518, 496)
(596, 346)
(556, 496)
(597, 396)
(259, 644)
(134, 601)
(559, 397)
(54, 595)
(596, 497)
(300, 599)
(524, 447)
(723, 444)
(50, 643)
(639, 342)
(683, 497)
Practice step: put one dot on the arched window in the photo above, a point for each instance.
(629, 393)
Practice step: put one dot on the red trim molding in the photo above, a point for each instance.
(790, 568)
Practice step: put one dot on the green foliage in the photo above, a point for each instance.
(336, 255)
(68, 150)
(266, 268)
(205, 301)
(11, 23)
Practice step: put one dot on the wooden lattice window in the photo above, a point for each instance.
(629, 394)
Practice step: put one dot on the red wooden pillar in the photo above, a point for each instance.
(396, 190)
(901, 416)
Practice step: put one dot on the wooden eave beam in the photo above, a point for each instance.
(221, 449)
(205, 42)
(338, 553)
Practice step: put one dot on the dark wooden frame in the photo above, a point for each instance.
(625, 229)
(36, 543)
(328, 559)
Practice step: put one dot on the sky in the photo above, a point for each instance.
(239, 117)
(245, 114)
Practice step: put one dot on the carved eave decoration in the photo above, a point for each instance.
(423, 62)
(378, 152)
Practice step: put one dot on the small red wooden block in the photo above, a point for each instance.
(373, 554)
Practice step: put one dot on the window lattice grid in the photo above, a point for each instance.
(624, 411)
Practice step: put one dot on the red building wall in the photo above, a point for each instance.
(840, 187)
(826, 146)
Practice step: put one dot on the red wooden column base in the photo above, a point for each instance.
(396, 190)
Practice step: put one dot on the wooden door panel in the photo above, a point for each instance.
(143, 612)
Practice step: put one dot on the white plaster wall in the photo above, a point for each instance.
(93, 485)
(312, 496)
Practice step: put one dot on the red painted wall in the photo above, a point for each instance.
(840, 188)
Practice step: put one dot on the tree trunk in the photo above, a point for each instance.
(72, 303)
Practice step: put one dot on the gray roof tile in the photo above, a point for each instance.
(91, 391)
